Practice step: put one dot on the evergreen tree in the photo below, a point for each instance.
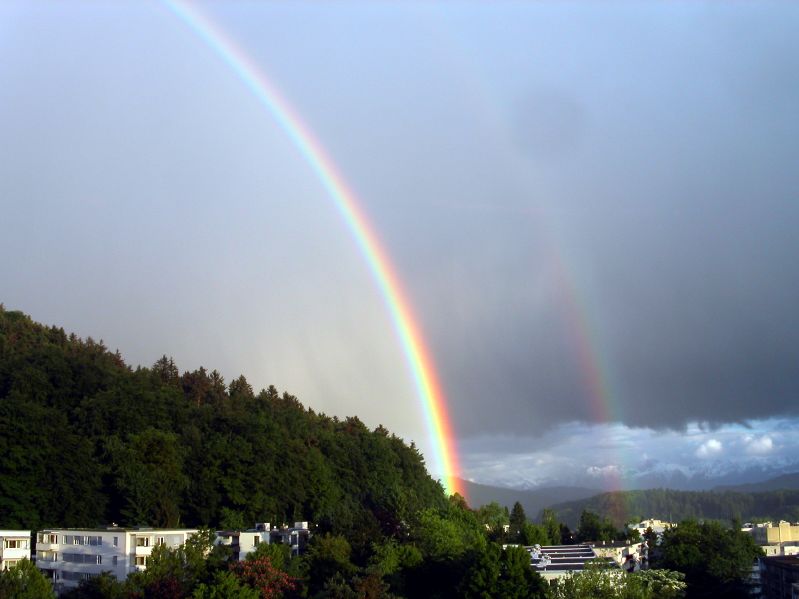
(517, 521)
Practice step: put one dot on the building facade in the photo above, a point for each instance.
(244, 542)
(67, 556)
(15, 545)
(778, 576)
(769, 534)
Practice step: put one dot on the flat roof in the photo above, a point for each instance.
(119, 529)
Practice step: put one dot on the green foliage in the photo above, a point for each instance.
(449, 533)
(104, 586)
(225, 586)
(517, 521)
(533, 534)
(494, 518)
(24, 581)
(592, 528)
(549, 521)
(600, 582)
(517, 579)
(494, 572)
(663, 584)
(175, 571)
(157, 447)
(328, 556)
(278, 554)
(716, 560)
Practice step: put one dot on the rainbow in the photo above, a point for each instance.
(405, 324)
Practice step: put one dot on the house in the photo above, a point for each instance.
(69, 555)
(769, 534)
(627, 555)
(14, 546)
(244, 542)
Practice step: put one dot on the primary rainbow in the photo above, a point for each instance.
(405, 324)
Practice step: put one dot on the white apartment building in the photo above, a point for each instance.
(244, 542)
(69, 555)
(14, 546)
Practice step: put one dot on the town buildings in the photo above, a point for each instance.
(69, 555)
(14, 546)
(784, 533)
(244, 542)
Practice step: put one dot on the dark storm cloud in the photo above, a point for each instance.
(675, 215)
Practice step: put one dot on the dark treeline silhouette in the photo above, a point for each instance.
(667, 504)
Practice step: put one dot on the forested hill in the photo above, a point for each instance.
(87, 440)
(666, 504)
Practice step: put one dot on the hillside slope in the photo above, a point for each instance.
(85, 440)
(783, 482)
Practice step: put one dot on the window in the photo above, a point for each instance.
(255, 540)
(160, 541)
(114, 560)
(142, 541)
(116, 541)
(140, 560)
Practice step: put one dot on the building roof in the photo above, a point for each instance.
(141, 529)
(791, 561)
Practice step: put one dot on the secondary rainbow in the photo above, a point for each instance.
(405, 324)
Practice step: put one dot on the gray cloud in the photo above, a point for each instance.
(645, 156)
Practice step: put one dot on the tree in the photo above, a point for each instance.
(225, 586)
(517, 521)
(533, 534)
(594, 528)
(550, 522)
(517, 578)
(24, 581)
(494, 518)
(261, 575)
(598, 581)
(482, 576)
(664, 584)
(328, 556)
(716, 560)
(104, 586)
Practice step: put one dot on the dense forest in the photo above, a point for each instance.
(87, 440)
(666, 504)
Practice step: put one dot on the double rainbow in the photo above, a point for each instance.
(405, 324)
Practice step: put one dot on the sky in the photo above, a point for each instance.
(591, 208)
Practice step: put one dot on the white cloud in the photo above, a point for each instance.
(710, 448)
(602, 471)
(758, 445)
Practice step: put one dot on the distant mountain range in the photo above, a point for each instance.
(532, 500)
(776, 498)
(786, 481)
